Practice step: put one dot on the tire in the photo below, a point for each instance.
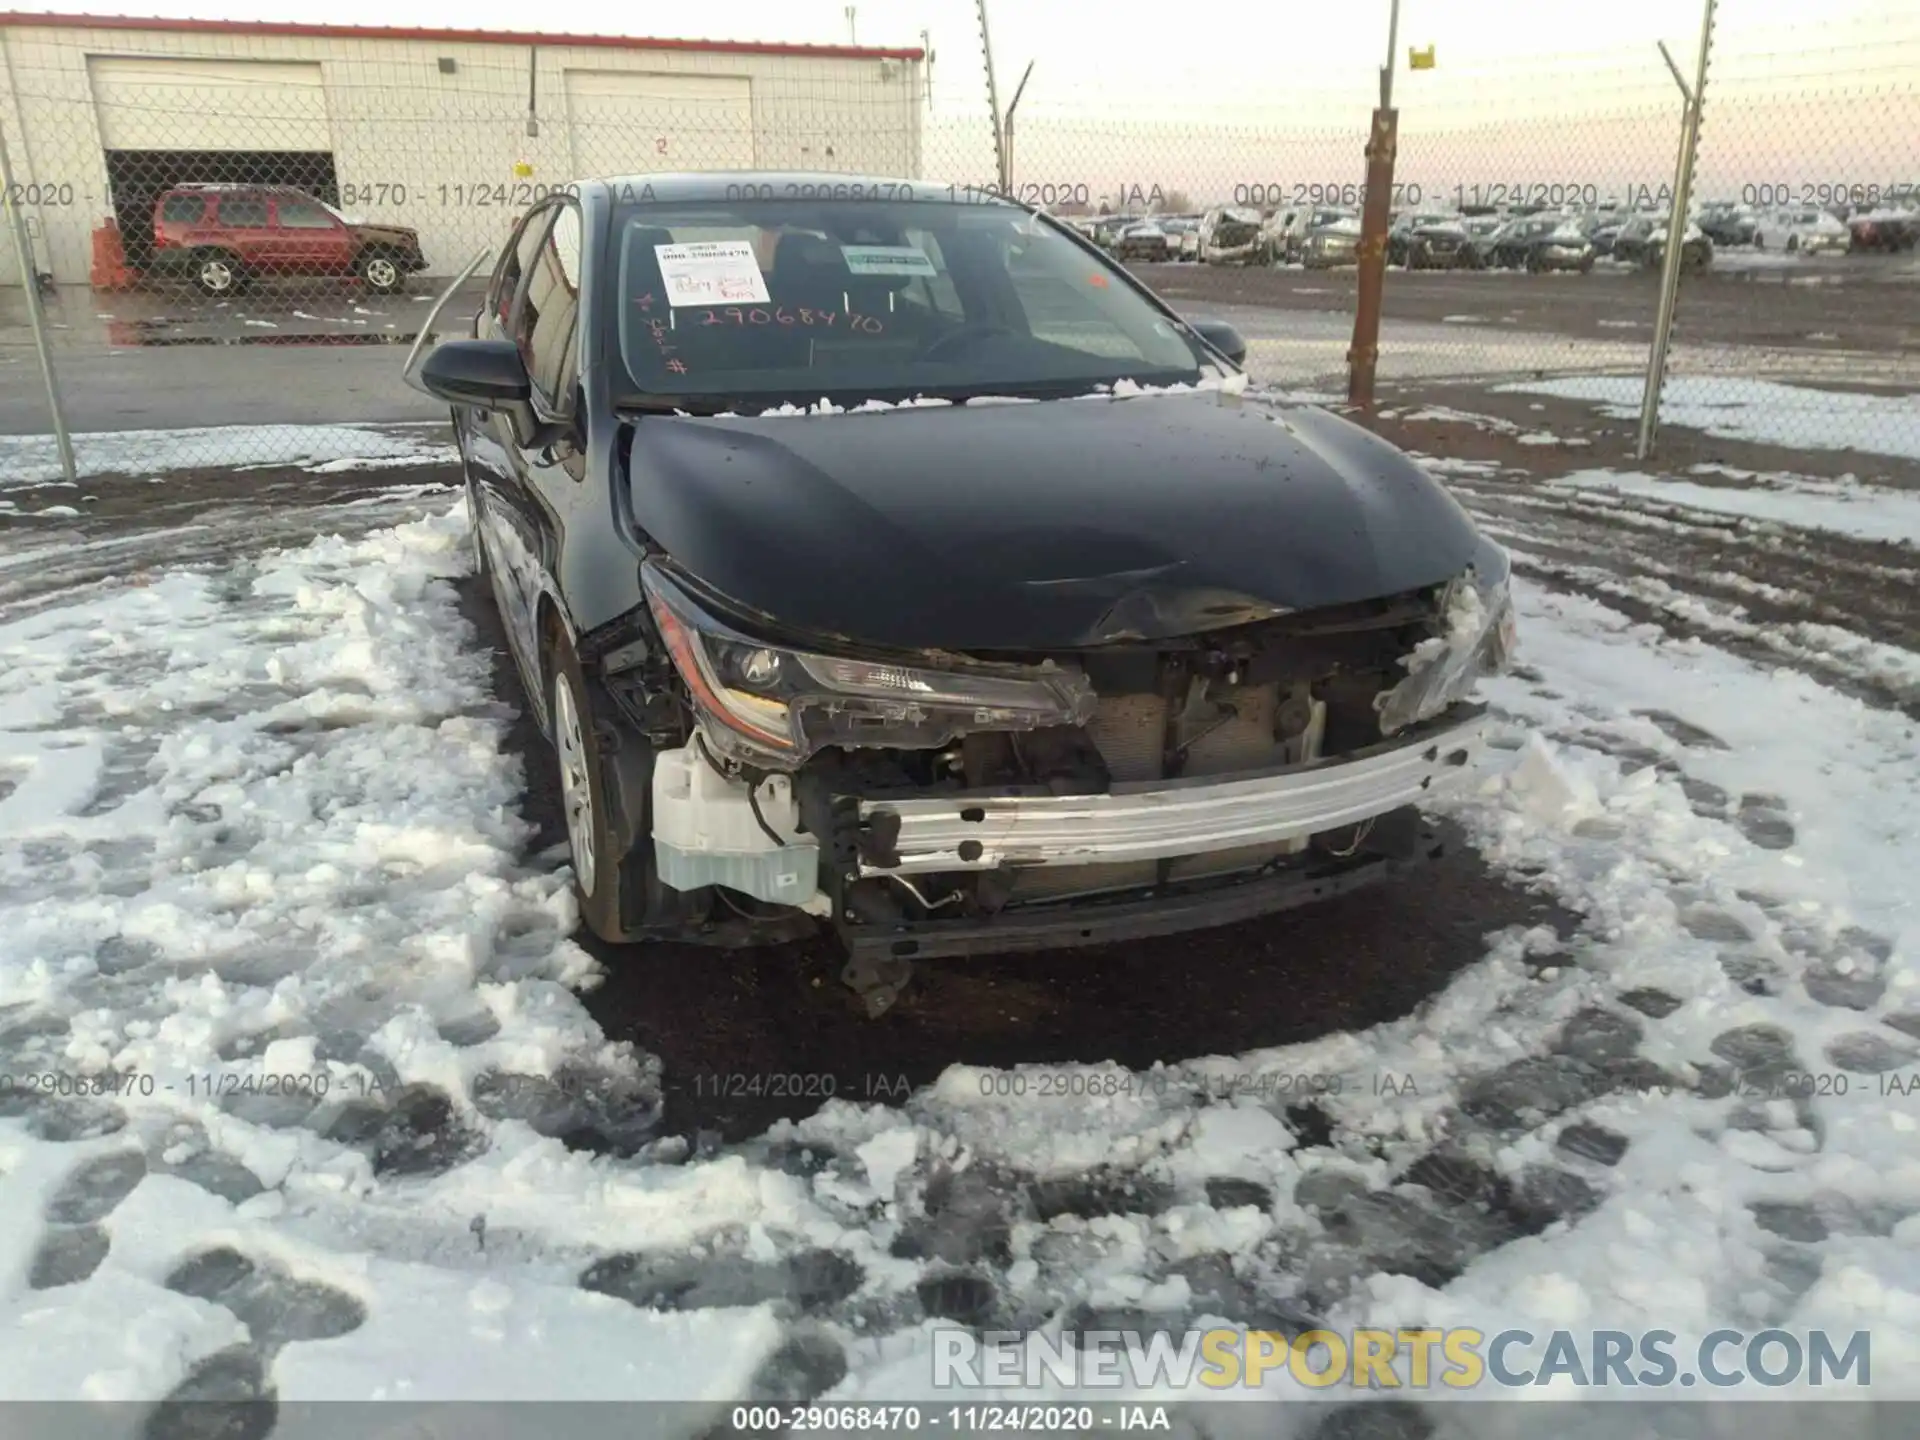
(217, 274)
(1793, 243)
(609, 886)
(381, 273)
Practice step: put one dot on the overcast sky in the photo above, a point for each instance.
(1237, 52)
(1217, 95)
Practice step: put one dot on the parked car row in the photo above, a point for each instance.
(1812, 229)
(1540, 240)
(1485, 237)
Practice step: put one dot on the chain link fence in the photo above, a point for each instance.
(229, 231)
(1810, 170)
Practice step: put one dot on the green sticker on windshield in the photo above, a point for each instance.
(887, 260)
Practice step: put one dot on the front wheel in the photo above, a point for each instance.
(604, 881)
(382, 273)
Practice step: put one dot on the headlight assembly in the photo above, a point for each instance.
(1477, 638)
(774, 705)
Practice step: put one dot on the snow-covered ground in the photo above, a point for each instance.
(257, 820)
(1844, 507)
(27, 460)
(1764, 411)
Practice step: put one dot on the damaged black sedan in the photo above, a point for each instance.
(882, 555)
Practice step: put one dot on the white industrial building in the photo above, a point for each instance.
(450, 132)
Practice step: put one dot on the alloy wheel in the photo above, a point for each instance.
(576, 788)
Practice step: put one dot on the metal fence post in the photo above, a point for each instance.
(30, 290)
(1676, 236)
(1006, 128)
(1000, 166)
(1363, 356)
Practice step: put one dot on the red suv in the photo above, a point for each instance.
(225, 235)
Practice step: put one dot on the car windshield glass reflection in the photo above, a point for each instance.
(851, 299)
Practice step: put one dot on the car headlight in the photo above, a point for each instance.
(774, 705)
(1477, 637)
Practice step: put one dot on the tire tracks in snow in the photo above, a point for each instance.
(1832, 607)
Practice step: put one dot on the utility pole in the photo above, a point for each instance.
(1363, 357)
(1676, 235)
(853, 37)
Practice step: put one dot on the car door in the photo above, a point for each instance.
(487, 444)
(308, 239)
(546, 471)
(245, 227)
(183, 220)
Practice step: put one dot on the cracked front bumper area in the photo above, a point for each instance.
(876, 953)
(1163, 819)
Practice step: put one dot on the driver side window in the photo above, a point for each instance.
(544, 326)
(505, 284)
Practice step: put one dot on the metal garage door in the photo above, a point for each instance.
(626, 123)
(157, 104)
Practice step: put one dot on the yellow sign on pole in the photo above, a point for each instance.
(1420, 59)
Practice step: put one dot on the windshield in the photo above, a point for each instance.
(814, 300)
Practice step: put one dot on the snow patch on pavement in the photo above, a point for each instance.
(35, 459)
(1840, 507)
(1762, 411)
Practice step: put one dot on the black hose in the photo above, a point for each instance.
(754, 777)
(753, 804)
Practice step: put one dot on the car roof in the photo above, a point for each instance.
(231, 185)
(697, 185)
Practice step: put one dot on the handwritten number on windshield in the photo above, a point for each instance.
(802, 316)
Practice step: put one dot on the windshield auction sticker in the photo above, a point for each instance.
(887, 260)
(712, 272)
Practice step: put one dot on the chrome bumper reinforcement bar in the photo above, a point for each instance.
(1157, 820)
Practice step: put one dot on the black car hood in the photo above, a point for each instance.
(1031, 527)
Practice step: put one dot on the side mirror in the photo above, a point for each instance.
(1222, 337)
(485, 373)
